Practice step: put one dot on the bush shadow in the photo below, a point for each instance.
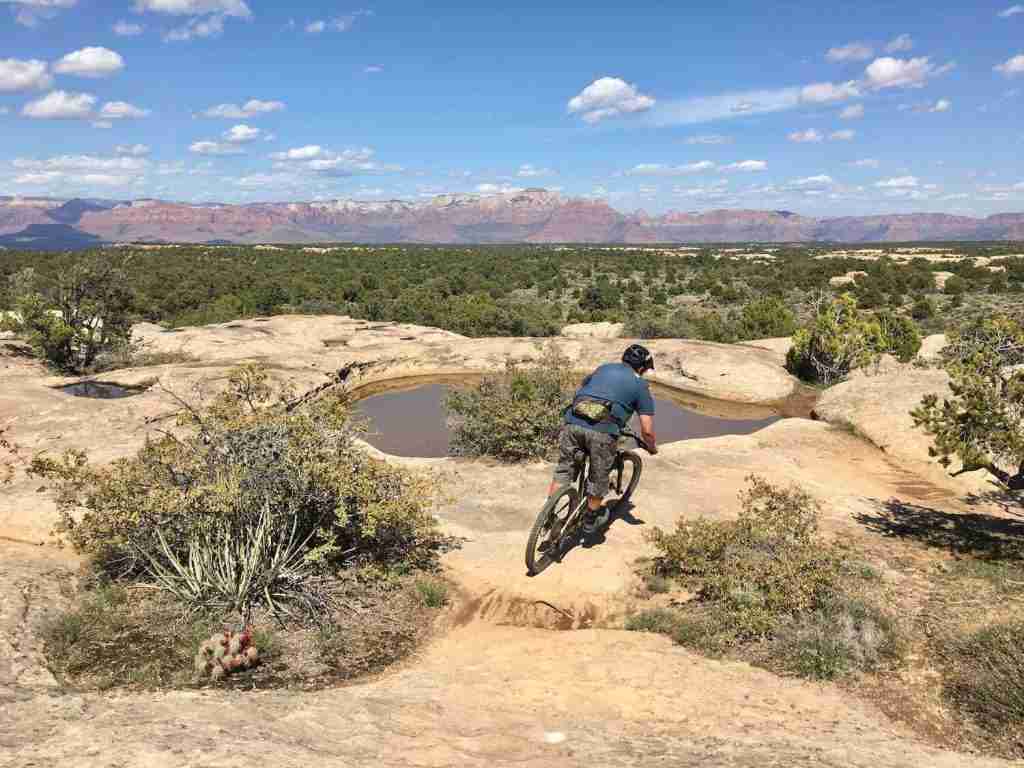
(961, 533)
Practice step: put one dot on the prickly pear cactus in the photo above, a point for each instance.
(224, 653)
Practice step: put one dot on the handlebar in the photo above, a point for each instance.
(639, 440)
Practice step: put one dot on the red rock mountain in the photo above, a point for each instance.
(530, 216)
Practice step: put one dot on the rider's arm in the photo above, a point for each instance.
(647, 432)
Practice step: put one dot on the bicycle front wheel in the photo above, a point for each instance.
(628, 470)
(545, 542)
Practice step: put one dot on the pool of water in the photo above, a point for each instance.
(100, 390)
(412, 421)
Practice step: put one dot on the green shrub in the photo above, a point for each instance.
(253, 500)
(901, 336)
(769, 577)
(837, 340)
(768, 317)
(923, 309)
(433, 592)
(70, 323)
(984, 677)
(515, 416)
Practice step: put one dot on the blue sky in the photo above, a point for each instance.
(822, 108)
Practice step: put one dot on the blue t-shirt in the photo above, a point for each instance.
(619, 383)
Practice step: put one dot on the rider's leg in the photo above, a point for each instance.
(567, 447)
(602, 448)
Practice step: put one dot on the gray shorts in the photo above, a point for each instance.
(602, 448)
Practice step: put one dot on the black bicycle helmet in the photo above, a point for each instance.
(638, 358)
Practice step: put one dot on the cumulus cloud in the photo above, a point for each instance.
(214, 148)
(122, 110)
(241, 134)
(250, 109)
(813, 181)
(899, 182)
(127, 29)
(90, 62)
(711, 138)
(805, 137)
(131, 150)
(942, 105)
(867, 162)
(1011, 67)
(850, 52)
(888, 72)
(824, 93)
(725, 106)
(746, 166)
(527, 171)
(61, 105)
(1013, 10)
(658, 169)
(844, 135)
(67, 163)
(316, 27)
(325, 162)
(195, 7)
(902, 43)
(608, 97)
(852, 112)
(18, 75)
(88, 179)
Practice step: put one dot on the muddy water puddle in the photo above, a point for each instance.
(100, 390)
(409, 418)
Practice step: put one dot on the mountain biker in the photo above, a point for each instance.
(602, 407)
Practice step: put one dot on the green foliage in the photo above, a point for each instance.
(955, 286)
(766, 318)
(433, 592)
(769, 577)
(837, 340)
(255, 495)
(984, 677)
(763, 318)
(982, 423)
(900, 336)
(515, 416)
(923, 309)
(85, 312)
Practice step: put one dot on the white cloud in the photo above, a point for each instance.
(210, 26)
(131, 150)
(657, 169)
(241, 134)
(609, 97)
(70, 163)
(104, 124)
(29, 13)
(122, 110)
(171, 169)
(214, 148)
(300, 153)
(814, 181)
(1019, 185)
(251, 108)
(805, 137)
(712, 138)
(61, 105)
(852, 112)
(195, 7)
(823, 93)
(1013, 10)
(902, 43)
(17, 75)
(850, 52)
(867, 162)
(1010, 67)
(90, 62)
(497, 189)
(844, 135)
(373, 69)
(316, 27)
(128, 29)
(888, 72)
(942, 105)
(899, 182)
(527, 171)
(724, 106)
(747, 166)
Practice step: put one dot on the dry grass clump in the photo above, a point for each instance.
(768, 581)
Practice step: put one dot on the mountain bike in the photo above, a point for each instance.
(559, 522)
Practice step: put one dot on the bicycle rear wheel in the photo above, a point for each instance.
(545, 542)
(627, 476)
